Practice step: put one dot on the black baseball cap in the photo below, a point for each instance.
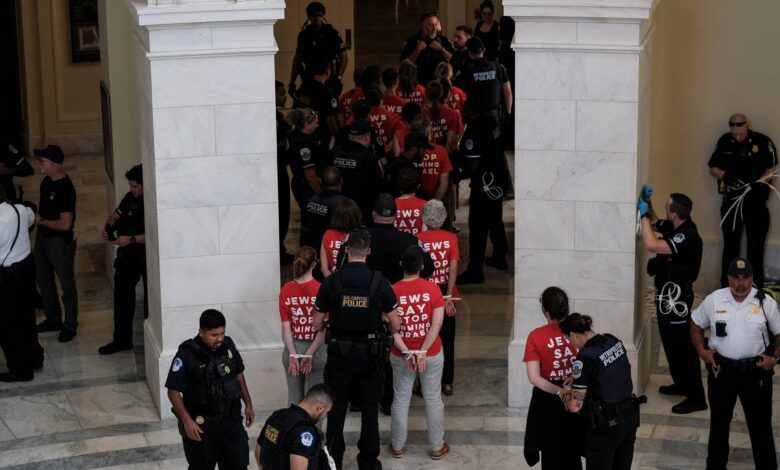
(359, 127)
(52, 153)
(417, 139)
(475, 45)
(385, 205)
(740, 266)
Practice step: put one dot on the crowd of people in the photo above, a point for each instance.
(368, 319)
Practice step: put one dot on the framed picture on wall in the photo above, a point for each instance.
(84, 37)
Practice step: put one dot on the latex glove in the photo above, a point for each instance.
(647, 192)
(643, 208)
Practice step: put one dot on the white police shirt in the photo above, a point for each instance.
(746, 334)
(8, 229)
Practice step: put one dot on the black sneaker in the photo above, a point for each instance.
(689, 406)
(470, 277)
(498, 263)
(46, 326)
(112, 348)
(66, 335)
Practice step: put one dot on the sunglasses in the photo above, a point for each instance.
(737, 124)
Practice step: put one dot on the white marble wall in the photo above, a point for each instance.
(208, 130)
(578, 104)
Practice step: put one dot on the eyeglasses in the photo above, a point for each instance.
(737, 124)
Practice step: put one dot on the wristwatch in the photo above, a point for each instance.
(132, 239)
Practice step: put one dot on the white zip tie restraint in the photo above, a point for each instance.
(301, 356)
(416, 352)
(331, 462)
(669, 300)
(493, 193)
(449, 297)
(737, 205)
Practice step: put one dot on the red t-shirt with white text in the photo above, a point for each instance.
(417, 96)
(449, 120)
(346, 100)
(550, 347)
(384, 123)
(443, 248)
(408, 217)
(296, 305)
(434, 163)
(394, 104)
(332, 240)
(456, 99)
(416, 301)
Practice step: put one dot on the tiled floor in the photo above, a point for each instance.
(88, 411)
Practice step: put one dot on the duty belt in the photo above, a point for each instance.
(741, 366)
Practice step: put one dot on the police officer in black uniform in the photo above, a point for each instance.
(315, 95)
(427, 48)
(355, 297)
(206, 386)
(125, 228)
(460, 60)
(290, 437)
(359, 168)
(318, 40)
(675, 268)
(414, 145)
(741, 157)
(319, 208)
(601, 385)
(305, 156)
(485, 83)
(13, 163)
(282, 178)
(489, 180)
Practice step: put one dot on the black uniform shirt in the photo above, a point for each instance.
(356, 275)
(393, 168)
(186, 362)
(746, 160)
(282, 133)
(387, 246)
(318, 212)
(315, 95)
(56, 197)
(602, 367)
(18, 166)
(131, 215)
(360, 172)
(303, 153)
(482, 84)
(460, 62)
(302, 439)
(428, 58)
(325, 43)
(682, 265)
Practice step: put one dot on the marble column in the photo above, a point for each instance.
(207, 124)
(581, 152)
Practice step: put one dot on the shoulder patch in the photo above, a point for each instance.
(334, 103)
(307, 439)
(679, 238)
(469, 144)
(576, 369)
(305, 154)
(177, 365)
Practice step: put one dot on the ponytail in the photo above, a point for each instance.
(304, 261)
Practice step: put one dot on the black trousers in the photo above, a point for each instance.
(341, 373)
(224, 442)
(684, 364)
(612, 448)
(57, 254)
(485, 220)
(129, 268)
(447, 335)
(754, 390)
(283, 189)
(560, 460)
(18, 337)
(756, 224)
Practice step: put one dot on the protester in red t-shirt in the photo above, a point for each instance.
(408, 218)
(346, 217)
(350, 96)
(296, 310)
(408, 88)
(391, 101)
(435, 166)
(454, 97)
(384, 123)
(443, 247)
(559, 435)
(417, 352)
(446, 125)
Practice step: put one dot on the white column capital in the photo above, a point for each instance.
(152, 13)
(625, 10)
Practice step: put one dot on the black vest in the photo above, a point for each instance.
(484, 87)
(611, 380)
(356, 314)
(275, 454)
(214, 388)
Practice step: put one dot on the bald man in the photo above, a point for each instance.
(742, 157)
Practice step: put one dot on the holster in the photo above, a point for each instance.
(343, 347)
